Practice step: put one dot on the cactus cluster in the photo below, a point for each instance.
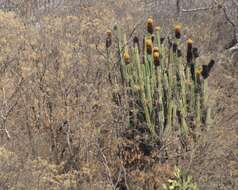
(167, 88)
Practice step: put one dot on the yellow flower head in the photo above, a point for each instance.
(109, 33)
(150, 21)
(156, 55)
(157, 28)
(126, 57)
(149, 45)
(177, 27)
(178, 31)
(190, 41)
(155, 49)
(199, 71)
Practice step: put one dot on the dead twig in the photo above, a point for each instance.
(235, 30)
(196, 9)
(235, 2)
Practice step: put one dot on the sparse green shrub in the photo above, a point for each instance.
(181, 181)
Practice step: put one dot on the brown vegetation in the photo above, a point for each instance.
(59, 125)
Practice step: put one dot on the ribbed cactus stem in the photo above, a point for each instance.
(174, 115)
(148, 87)
(182, 118)
(192, 99)
(169, 117)
(158, 39)
(142, 92)
(169, 104)
(163, 59)
(182, 80)
(126, 71)
(170, 75)
(189, 89)
(161, 50)
(120, 53)
(198, 111)
(109, 66)
(161, 100)
(204, 93)
(208, 122)
(153, 79)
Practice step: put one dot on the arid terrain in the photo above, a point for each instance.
(65, 111)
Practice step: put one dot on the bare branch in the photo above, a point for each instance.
(235, 2)
(227, 17)
(178, 6)
(234, 48)
(234, 27)
(196, 9)
(7, 133)
(106, 165)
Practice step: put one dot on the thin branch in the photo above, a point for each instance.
(68, 137)
(234, 26)
(178, 2)
(235, 2)
(196, 9)
(227, 17)
(234, 48)
(7, 132)
(105, 163)
(127, 187)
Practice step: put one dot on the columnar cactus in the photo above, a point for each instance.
(168, 88)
